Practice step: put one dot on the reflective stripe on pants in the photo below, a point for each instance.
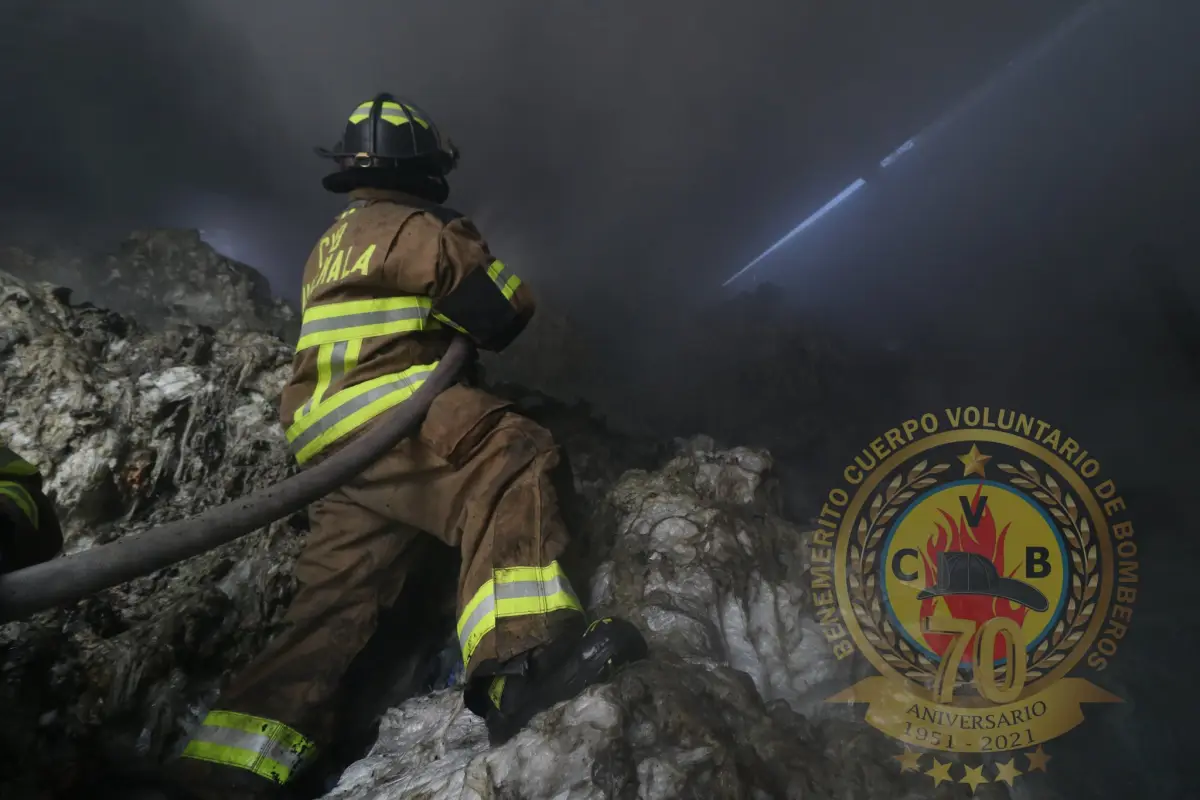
(514, 592)
(262, 746)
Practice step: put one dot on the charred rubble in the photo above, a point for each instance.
(139, 422)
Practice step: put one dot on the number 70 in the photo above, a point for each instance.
(960, 630)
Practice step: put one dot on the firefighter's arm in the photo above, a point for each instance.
(442, 255)
(29, 529)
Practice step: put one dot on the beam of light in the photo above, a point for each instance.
(899, 151)
(796, 231)
(1019, 63)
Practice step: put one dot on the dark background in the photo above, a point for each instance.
(628, 158)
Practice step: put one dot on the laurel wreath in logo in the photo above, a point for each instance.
(866, 594)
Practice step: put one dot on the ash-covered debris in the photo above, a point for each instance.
(132, 429)
(135, 426)
(162, 276)
(702, 562)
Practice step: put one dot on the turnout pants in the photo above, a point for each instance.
(477, 477)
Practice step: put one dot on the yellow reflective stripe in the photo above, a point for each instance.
(236, 757)
(496, 690)
(447, 321)
(333, 362)
(505, 281)
(324, 368)
(389, 111)
(13, 464)
(361, 319)
(331, 310)
(265, 747)
(353, 350)
(514, 592)
(22, 498)
(348, 409)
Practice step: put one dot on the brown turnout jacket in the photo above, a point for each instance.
(384, 291)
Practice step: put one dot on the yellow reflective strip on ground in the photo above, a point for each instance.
(236, 757)
(22, 498)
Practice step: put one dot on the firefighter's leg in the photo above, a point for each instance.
(479, 477)
(279, 711)
(521, 625)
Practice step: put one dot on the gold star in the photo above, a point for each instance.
(1007, 771)
(973, 777)
(1037, 759)
(973, 462)
(939, 772)
(909, 761)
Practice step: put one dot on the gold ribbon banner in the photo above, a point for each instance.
(900, 713)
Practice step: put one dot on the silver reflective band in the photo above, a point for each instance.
(512, 591)
(501, 278)
(353, 405)
(252, 742)
(359, 320)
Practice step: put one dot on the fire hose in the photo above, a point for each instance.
(73, 577)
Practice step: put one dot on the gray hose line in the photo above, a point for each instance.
(64, 580)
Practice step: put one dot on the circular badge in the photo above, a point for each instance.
(976, 561)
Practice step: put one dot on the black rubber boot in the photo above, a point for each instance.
(559, 671)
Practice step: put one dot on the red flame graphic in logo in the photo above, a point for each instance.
(983, 540)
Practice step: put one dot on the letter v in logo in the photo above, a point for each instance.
(973, 515)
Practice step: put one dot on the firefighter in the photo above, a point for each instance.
(395, 277)
(29, 528)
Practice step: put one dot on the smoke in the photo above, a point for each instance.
(632, 151)
(627, 157)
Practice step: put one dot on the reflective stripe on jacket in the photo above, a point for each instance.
(384, 291)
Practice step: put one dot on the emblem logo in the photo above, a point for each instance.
(981, 563)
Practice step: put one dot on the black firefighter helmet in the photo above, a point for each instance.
(391, 144)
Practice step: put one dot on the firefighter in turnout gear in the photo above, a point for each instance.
(29, 528)
(395, 277)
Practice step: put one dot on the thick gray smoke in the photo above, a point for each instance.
(629, 157)
(639, 150)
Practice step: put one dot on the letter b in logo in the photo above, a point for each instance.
(1037, 562)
